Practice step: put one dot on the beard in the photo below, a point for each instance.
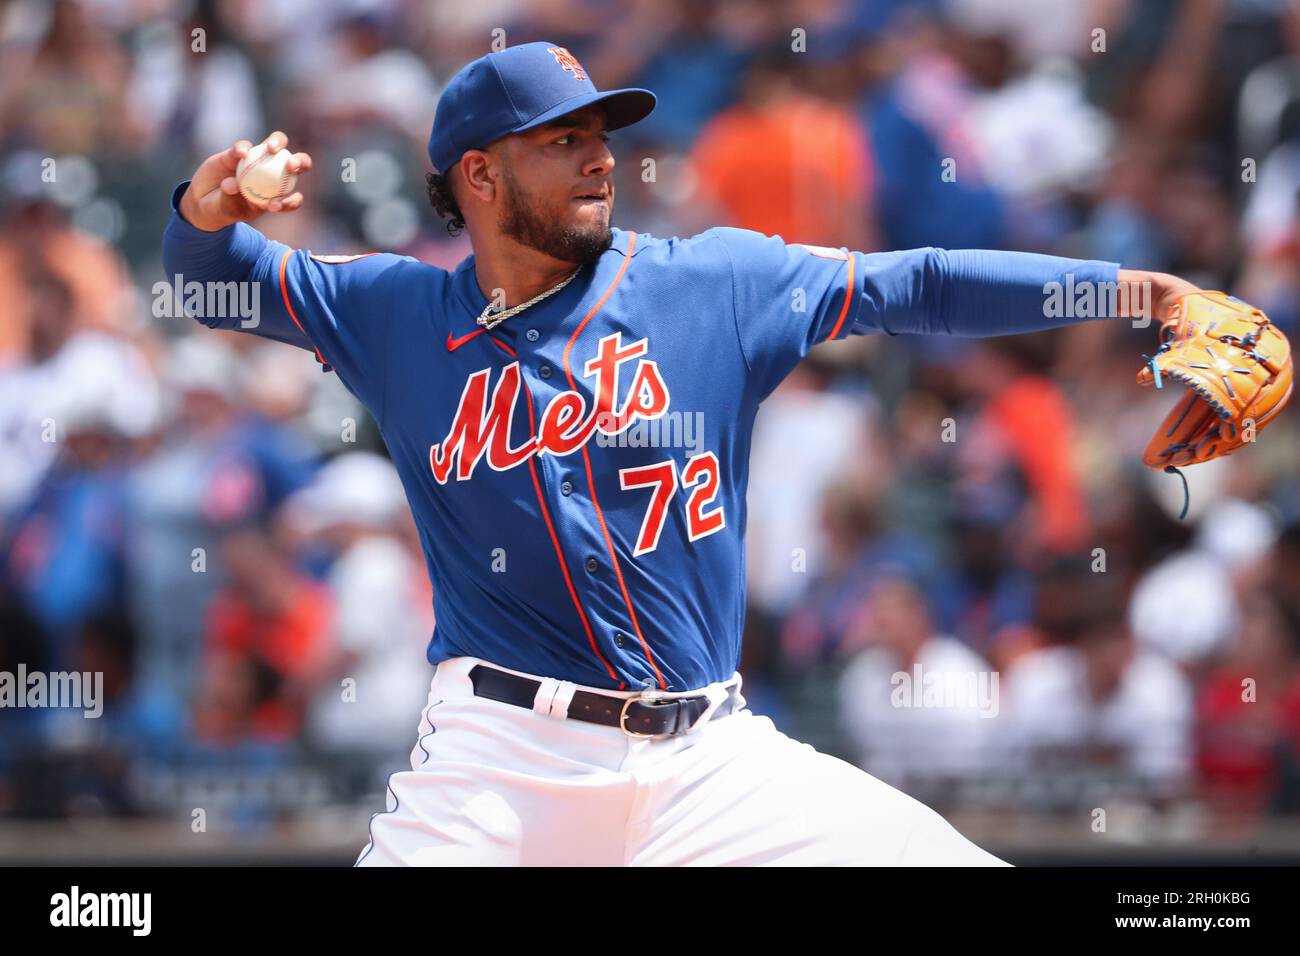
(527, 221)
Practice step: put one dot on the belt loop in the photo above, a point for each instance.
(545, 694)
(739, 682)
(563, 697)
(717, 694)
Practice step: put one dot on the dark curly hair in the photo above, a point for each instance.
(444, 203)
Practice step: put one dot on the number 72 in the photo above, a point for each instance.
(700, 474)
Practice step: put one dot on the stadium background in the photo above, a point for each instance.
(971, 506)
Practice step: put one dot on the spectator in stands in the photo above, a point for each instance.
(373, 679)
(1203, 581)
(265, 645)
(931, 188)
(808, 436)
(1100, 705)
(65, 86)
(919, 706)
(36, 241)
(217, 468)
(1242, 711)
(785, 163)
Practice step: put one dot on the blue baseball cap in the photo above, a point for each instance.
(519, 88)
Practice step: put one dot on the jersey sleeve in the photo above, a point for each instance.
(338, 307)
(343, 307)
(787, 298)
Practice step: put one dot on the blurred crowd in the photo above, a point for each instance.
(213, 524)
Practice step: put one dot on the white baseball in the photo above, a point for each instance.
(262, 176)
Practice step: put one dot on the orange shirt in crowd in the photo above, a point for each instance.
(293, 642)
(797, 167)
(1034, 416)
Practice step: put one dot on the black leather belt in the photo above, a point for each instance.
(641, 716)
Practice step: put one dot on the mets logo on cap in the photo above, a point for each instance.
(568, 61)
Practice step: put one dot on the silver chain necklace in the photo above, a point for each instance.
(490, 320)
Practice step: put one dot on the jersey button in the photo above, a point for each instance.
(593, 565)
(544, 371)
(566, 488)
(532, 335)
(618, 639)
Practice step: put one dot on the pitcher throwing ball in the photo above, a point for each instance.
(585, 707)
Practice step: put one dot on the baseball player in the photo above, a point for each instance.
(585, 707)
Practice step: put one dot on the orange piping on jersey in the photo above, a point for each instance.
(586, 459)
(550, 529)
(844, 309)
(284, 292)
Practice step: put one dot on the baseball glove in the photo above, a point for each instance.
(1236, 368)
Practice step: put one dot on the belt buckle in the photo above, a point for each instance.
(646, 698)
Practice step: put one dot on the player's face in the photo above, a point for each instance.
(558, 187)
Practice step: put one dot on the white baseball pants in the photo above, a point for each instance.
(493, 784)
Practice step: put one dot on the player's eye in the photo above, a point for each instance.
(567, 139)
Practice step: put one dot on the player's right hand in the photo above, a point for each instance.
(213, 200)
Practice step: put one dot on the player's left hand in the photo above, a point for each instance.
(1235, 368)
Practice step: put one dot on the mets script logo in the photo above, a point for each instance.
(482, 424)
(568, 61)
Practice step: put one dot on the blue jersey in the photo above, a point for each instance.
(577, 473)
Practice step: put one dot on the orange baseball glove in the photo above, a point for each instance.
(1236, 368)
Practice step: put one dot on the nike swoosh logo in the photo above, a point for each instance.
(454, 344)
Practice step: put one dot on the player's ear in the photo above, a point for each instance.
(478, 173)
